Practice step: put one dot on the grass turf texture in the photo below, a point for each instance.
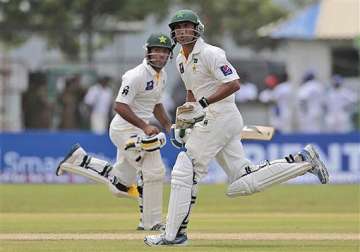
(91, 209)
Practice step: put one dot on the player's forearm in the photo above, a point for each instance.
(224, 91)
(161, 115)
(125, 112)
(190, 96)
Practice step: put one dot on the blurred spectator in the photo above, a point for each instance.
(99, 98)
(68, 99)
(248, 91)
(35, 104)
(340, 102)
(82, 112)
(270, 82)
(311, 104)
(281, 96)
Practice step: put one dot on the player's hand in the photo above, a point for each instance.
(189, 114)
(178, 137)
(151, 130)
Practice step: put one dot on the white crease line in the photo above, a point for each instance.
(193, 236)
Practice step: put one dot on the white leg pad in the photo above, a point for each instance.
(95, 176)
(182, 181)
(152, 204)
(153, 174)
(275, 172)
(78, 170)
(99, 165)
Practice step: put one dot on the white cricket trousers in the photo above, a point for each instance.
(218, 136)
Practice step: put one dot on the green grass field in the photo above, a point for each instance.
(88, 218)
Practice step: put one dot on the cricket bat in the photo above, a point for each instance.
(257, 132)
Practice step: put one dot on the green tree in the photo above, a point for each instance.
(62, 22)
(241, 18)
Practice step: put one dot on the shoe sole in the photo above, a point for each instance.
(324, 174)
(149, 244)
(169, 244)
(73, 149)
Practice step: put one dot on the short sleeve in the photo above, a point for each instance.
(127, 90)
(221, 68)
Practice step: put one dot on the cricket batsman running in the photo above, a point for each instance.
(138, 142)
(211, 82)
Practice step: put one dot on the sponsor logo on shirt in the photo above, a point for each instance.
(125, 91)
(149, 85)
(181, 67)
(226, 70)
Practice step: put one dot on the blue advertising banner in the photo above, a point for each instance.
(32, 157)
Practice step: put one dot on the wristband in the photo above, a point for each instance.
(204, 102)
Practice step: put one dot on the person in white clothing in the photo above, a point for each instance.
(282, 96)
(311, 104)
(137, 141)
(99, 98)
(339, 104)
(249, 91)
(211, 81)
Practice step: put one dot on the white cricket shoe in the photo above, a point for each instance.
(319, 169)
(75, 156)
(159, 240)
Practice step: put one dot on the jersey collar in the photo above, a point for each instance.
(199, 44)
(152, 70)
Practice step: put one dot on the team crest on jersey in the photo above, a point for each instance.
(181, 67)
(149, 85)
(226, 70)
(194, 68)
(195, 60)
